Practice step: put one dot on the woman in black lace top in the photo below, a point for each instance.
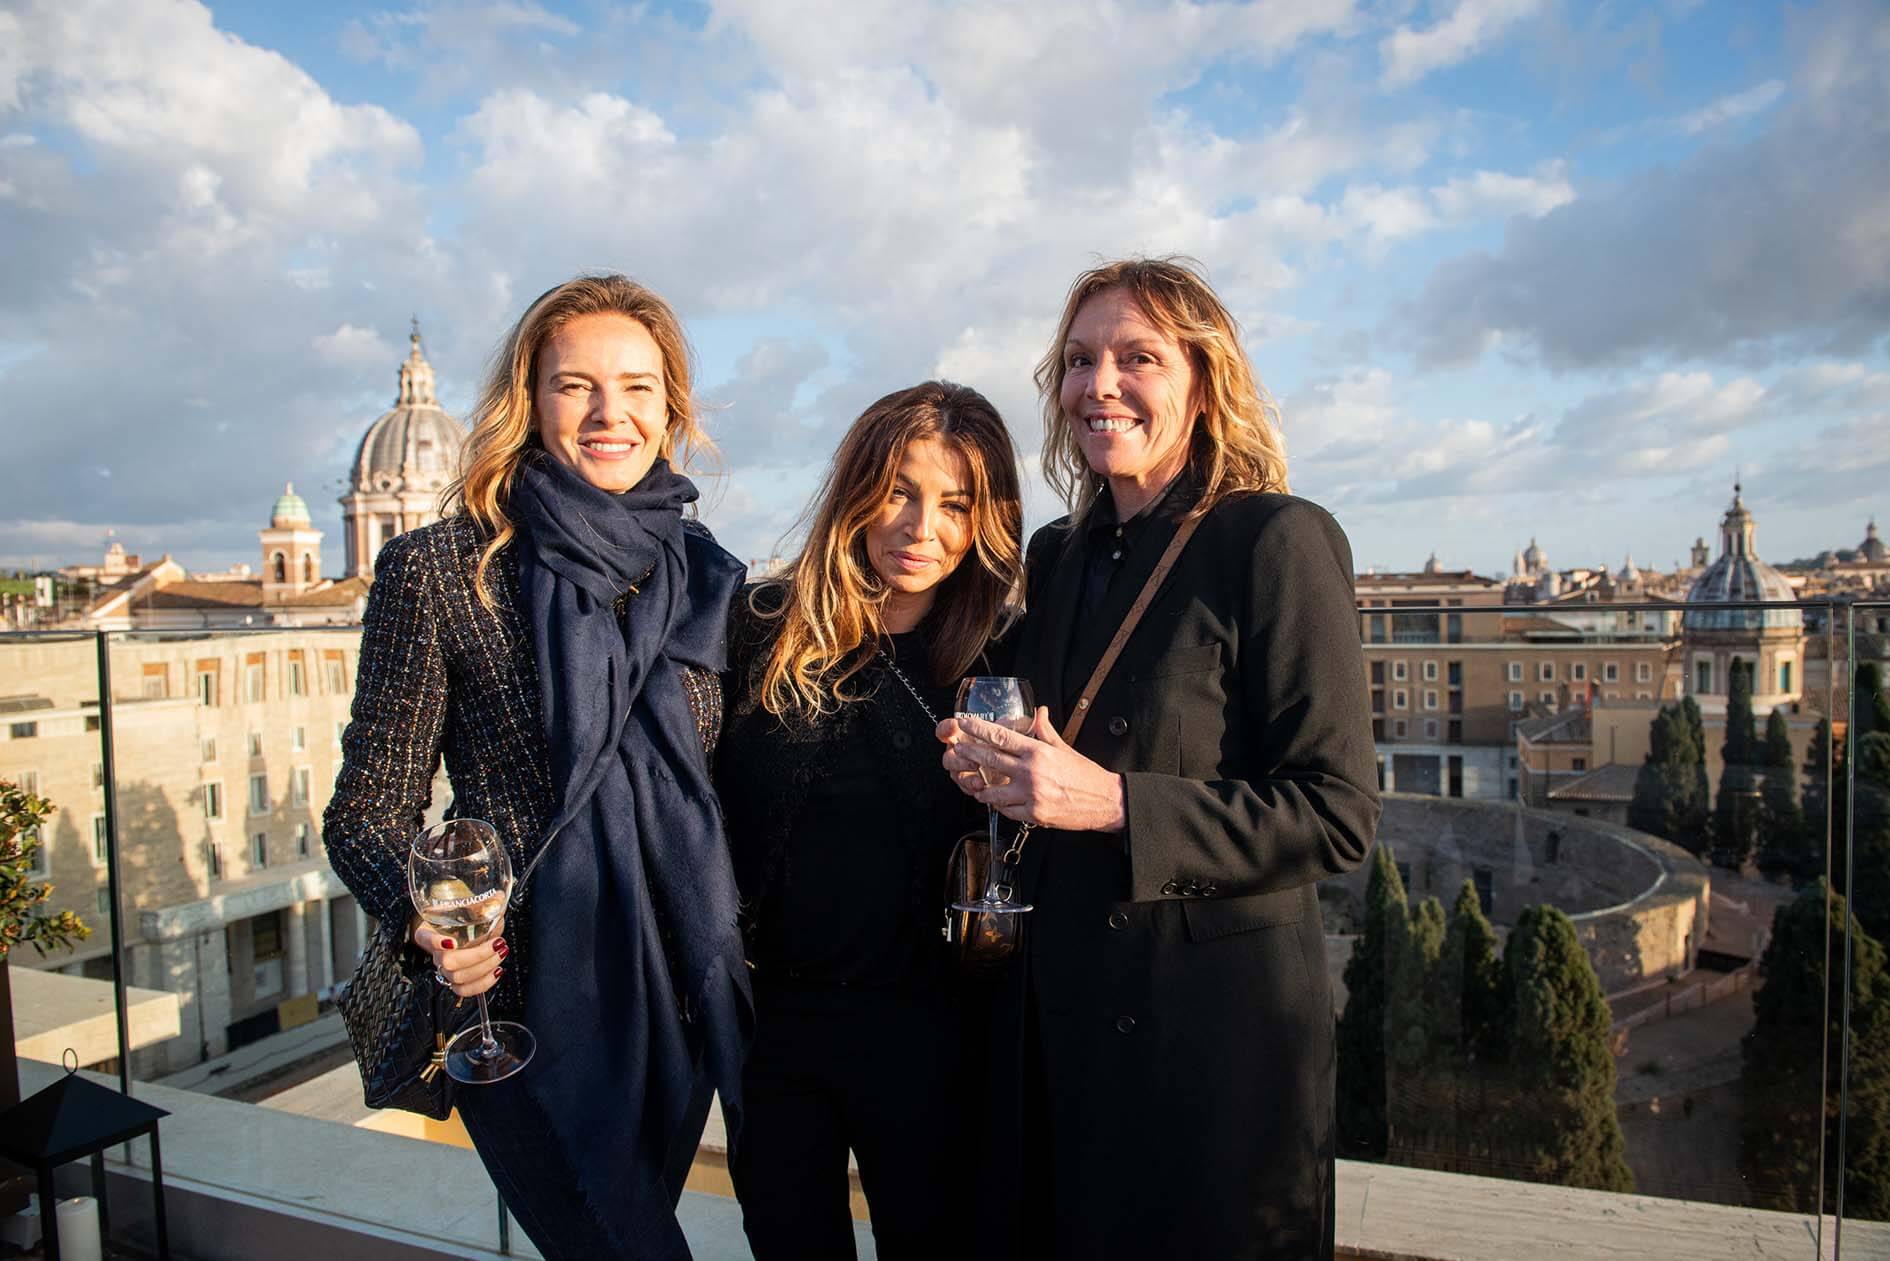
(842, 821)
(559, 641)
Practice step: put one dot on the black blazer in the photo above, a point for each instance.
(1176, 976)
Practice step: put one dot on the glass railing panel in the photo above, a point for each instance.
(1593, 948)
(1861, 1190)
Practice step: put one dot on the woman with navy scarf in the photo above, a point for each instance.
(557, 641)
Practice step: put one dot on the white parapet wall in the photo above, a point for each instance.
(54, 1013)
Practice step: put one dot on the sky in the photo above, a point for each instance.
(1513, 269)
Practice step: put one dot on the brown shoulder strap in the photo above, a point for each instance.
(1114, 650)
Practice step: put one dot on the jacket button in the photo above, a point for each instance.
(1118, 920)
(1125, 1024)
(902, 740)
(1209, 890)
(1118, 726)
(1170, 889)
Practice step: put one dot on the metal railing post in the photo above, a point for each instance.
(114, 888)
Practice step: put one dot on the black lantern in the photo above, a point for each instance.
(74, 1118)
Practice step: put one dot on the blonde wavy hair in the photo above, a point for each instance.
(830, 604)
(505, 427)
(1235, 447)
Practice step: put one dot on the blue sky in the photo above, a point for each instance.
(1513, 268)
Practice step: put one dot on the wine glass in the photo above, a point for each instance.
(460, 878)
(1009, 703)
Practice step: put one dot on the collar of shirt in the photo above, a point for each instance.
(1180, 495)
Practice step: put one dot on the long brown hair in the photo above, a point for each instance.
(1236, 445)
(505, 429)
(830, 603)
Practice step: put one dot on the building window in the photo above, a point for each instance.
(298, 739)
(23, 730)
(1545, 672)
(156, 685)
(207, 688)
(259, 794)
(1430, 672)
(209, 747)
(1578, 671)
(1703, 678)
(255, 743)
(98, 774)
(259, 851)
(1785, 677)
(1400, 699)
(1456, 702)
(105, 902)
(1454, 676)
(280, 566)
(213, 801)
(1398, 728)
(265, 939)
(253, 682)
(1430, 698)
(298, 684)
(1453, 731)
(1643, 672)
(1378, 700)
(1430, 729)
(1547, 698)
(337, 674)
(298, 786)
(1378, 729)
(1378, 672)
(1483, 880)
(98, 839)
(1515, 672)
(1398, 672)
(1578, 764)
(1516, 702)
(1611, 672)
(213, 859)
(301, 840)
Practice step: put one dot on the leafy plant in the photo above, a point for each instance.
(23, 894)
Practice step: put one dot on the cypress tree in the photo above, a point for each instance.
(1414, 1107)
(1467, 1041)
(1825, 797)
(1869, 706)
(1361, 1030)
(1798, 1021)
(1734, 812)
(1781, 822)
(1696, 822)
(1562, 1128)
(1870, 836)
(1473, 972)
(1665, 802)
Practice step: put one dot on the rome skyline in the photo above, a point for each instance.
(1484, 252)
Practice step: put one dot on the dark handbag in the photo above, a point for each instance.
(982, 942)
(399, 1021)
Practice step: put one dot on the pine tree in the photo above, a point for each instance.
(1735, 814)
(1361, 1031)
(1665, 803)
(1798, 1022)
(1781, 822)
(1562, 1127)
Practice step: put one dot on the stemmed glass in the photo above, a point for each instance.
(460, 879)
(1009, 703)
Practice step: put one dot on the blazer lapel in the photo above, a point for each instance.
(1093, 636)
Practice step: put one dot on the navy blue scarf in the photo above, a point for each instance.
(637, 975)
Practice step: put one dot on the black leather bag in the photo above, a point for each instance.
(982, 942)
(399, 1021)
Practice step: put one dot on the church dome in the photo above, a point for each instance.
(1535, 558)
(1630, 573)
(413, 446)
(1872, 549)
(1739, 574)
(291, 510)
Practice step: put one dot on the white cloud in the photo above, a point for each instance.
(1409, 54)
(354, 348)
(1495, 194)
(1731, 108)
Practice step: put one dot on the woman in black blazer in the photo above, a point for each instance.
(842, 823)
(558, 640)
(1167, 1086)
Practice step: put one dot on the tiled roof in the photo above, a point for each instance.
(1613, 782)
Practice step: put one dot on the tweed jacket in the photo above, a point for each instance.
(441, 676)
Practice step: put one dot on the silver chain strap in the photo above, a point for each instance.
(1016, 849)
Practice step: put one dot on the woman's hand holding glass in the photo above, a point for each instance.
(1032, 776)
(468, 969)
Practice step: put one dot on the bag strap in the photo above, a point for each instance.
(1146, 597)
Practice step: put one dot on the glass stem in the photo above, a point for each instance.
(992, 867)
(488, 1045)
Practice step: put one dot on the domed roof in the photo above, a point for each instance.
(291, 509)
(1872, 548)
(1629, 573)
(1533, 556)
(1739, 574)
(414, 445)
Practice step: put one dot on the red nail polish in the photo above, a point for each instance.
(497, 973)
(446, 943)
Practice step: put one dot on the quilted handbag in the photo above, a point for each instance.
(399, 1021)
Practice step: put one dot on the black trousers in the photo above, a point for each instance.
(891, 1076)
